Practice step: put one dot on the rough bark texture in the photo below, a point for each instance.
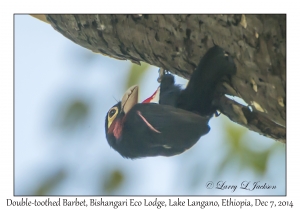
(177, 42)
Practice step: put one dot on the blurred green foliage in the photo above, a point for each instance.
(72, 115)
(135, 74)
(113, 181)
(239, 152)
(51, 183)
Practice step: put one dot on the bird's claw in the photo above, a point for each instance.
(161, 73)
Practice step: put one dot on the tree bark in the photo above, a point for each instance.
(177, 42)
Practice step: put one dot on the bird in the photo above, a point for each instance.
(176, 123)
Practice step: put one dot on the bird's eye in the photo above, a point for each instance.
(112, 113)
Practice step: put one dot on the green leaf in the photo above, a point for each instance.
(114, 181)
(72, 116)
(51, 183)
(136, 73)
(238, 150)
(255, 160)
(235, 134)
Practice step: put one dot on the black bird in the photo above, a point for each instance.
(175, 124)
(149, 129)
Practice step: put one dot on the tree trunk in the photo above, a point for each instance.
(177, 42)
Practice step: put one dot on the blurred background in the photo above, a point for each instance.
(62, 95)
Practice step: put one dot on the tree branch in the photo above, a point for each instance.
(257, 44)
(252, 120)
